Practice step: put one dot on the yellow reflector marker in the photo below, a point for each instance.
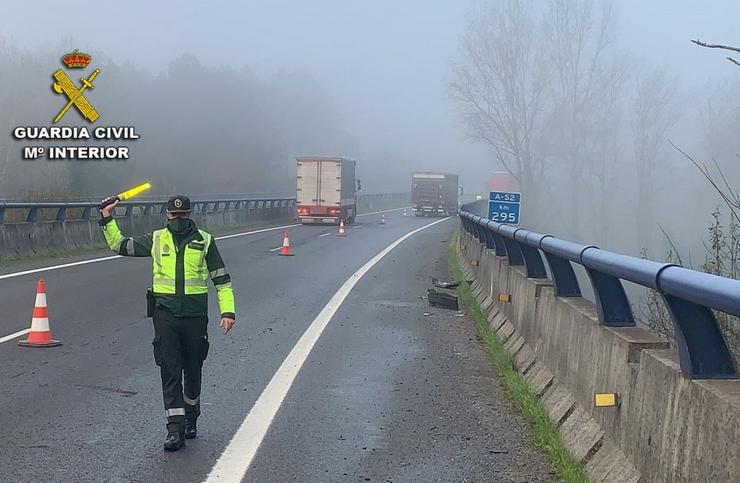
(134, 191)
(605, 400)
(504, 297)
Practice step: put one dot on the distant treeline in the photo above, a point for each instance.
(203, 129)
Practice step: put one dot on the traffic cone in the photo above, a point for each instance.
(382, 219)
(341, 229)
(285, 251)
(40, 335)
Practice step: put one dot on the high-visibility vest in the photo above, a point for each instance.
(164, 256)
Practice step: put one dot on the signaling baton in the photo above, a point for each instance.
(126, 195)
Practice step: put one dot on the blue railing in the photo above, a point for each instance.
(32, 210)
(689, 295)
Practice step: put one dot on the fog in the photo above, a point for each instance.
(225, 94)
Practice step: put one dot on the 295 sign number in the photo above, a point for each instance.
(504, 217)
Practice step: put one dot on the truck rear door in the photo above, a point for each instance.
(330, 183)
(308, 183)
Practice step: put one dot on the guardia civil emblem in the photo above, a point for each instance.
(63, 85)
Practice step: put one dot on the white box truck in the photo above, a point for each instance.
(326, 189)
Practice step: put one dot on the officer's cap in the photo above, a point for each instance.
(179, 204)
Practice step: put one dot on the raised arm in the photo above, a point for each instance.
(136, 246)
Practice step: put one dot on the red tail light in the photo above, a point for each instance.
(302, 210)
(333, 211)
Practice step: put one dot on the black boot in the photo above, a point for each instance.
(191, 431)
(174, 441)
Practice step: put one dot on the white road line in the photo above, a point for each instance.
(13, 336)
(357, 226)
(384, 211)
(234, 462)
(276, 249)
(258, 231)
(94, 260)
(325, 234)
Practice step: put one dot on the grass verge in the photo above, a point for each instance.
(546, 437)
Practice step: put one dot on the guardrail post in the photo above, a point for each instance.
(86, 213)
(564, 280)
(702, 350)
(480, 234)
(513, 252)
(61, 212)
(533, 261)
(488, 234)
(2, 214)
(32, 214)
(129, 210)
(611, 300)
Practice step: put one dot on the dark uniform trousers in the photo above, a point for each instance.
(180, 347)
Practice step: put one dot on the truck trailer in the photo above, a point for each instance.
(434, 194)
(326, 189)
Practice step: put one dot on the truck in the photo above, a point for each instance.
(434, 194)
(326, 189)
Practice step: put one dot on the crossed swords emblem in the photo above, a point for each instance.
(64, 85)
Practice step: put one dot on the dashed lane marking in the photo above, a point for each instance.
(325, 234)
(383, 211)
(94, 260)
(103, 259)
(237, 457)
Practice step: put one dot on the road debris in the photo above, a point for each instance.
(444, 284)
(443, 300)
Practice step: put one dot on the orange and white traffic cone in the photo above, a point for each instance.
(341, 229)
(285, 250)
(40, 335)
(382, 219)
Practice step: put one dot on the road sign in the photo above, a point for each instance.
(512, 197)
(504, 207)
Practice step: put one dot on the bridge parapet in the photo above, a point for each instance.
(678, 416)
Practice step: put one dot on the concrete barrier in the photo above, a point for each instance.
(666, 427)
(29, 238)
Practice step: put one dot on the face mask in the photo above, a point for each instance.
(178, 226)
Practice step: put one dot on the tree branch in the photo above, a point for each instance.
(715, 46)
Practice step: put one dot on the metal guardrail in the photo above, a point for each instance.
(148, 206)
(689, 295)
(145, 207)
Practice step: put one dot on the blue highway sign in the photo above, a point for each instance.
(504, 207)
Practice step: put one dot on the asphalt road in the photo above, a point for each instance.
(386, 394)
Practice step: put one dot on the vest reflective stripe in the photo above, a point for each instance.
(164, 266)
(218, 273)
(194, 282)
(163, 281)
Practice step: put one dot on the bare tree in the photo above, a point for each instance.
(499, 84)
(579, 34)
(653, 116)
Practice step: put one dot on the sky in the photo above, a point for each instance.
(386, 63)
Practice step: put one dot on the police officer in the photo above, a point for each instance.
(184, 257)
